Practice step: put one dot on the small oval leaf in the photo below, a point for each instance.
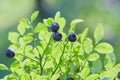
(93, 57)
(99, 32)
(34, 15)
(83, 35)
(84, 73)
(3, 67)
(96, 66)
(104, 48)
(74, 23)
(88, 46)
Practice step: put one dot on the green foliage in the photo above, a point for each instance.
(40, 57)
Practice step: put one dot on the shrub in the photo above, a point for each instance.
(39, 55)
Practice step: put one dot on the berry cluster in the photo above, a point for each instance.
(54, 28)
(58, 36)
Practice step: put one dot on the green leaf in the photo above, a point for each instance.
(96, 66)
(104, 48)
(61, 22)
(73, 24)
(25, 76)
(9, 77)
(15, 66)
(110, 74)
(99, 32)
(3, 67)
(109, 61)
(13, 37)
(48, 22)
(48, 50)
(57, 16)
(24, 22)
(40, 27)
(28, 48)
(81, 57)
(83, 35)
(92, 77)
(57, 50)
(73, 68)
(44, 36)
(34, 15)
(117, 67)
(93, 57)
(28, 38)
(21, 29)
(84, 73)
(88, 46)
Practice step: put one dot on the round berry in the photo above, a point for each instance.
(72, 37)
(57, 36)
(70, 78)
(10, 53)
(118, 74)
(54, 27)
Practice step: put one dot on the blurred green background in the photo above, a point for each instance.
(93, 12)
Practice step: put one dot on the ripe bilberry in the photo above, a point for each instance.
(10, 53)
(57, 36)
(54, 27)
(72, 37)
(118, 74)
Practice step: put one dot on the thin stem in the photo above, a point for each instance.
(46, 47)
(57, 64)
(30, 58)
(40, 64)
(35, 45)
(59, 60)
(42, 67)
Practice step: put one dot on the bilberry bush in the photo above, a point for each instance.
(41, 54)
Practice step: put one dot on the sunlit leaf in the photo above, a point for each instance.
(99, 32)
(21, 29)
(48, 22)
(13, 37)
(3, 67)
(74, 23)
(57, 16)
(104, 48)
(93, 57)
(25, 76)
(34, 15)
(96, 66)
(84, 73)
(24, 22)
(88, 46)
(83, 35)
(109, 61)
(92, 77)
(61, 22)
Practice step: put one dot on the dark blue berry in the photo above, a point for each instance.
(118, 74)
(54, 27)
(57, 36)
(10, 53)
(72, 37)
(70, 78)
